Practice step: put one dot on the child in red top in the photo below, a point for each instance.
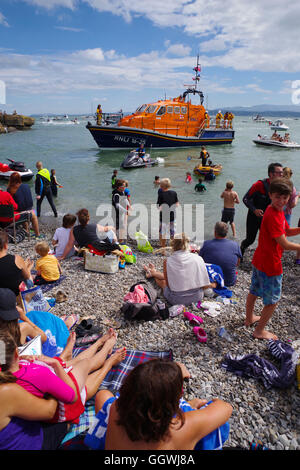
(267, 268)
(188, 178)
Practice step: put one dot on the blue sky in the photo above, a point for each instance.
(66, 56)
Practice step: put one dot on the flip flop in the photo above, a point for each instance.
(193, 319)
(200, 334)
(75, 318)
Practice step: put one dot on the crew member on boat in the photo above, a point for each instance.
(230, 119)
(225, 122)
(206, 120)
(219, 117)
(99, 114)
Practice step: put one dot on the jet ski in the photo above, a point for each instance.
(19, 167)
(134, 161)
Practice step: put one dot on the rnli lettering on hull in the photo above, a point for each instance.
(127, 140)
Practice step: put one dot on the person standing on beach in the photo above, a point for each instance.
(43, 188)
(266, 263)
(257, 200)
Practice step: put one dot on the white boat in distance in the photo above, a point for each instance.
(259, 118)
(279, 126)
(275, 143)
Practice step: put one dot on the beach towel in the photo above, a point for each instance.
(113, 382)
(55, 329)
(96, 435)
(215, 274)
(253, 366)
(51, 285)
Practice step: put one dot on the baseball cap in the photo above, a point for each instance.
(8, 302)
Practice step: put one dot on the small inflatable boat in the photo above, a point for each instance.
(134, 161)
(12, 167)
(204, 170)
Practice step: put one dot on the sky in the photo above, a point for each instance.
(66, 56)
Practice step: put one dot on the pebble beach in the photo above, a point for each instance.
(270, 416)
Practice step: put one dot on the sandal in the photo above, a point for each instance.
(193, 319)
(200, 334)
(74, 317)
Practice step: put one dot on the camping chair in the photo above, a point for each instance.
(7, 210)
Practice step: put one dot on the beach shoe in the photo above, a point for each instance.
(87, 339)
(38, 237)
(86, 327)
(193, 319)
(74, 318)
(60, 296)
(200, 334)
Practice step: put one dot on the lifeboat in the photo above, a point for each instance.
(173, 122)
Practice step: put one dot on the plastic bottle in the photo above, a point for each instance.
(224, 334)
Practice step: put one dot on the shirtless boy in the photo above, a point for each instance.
(230, 199)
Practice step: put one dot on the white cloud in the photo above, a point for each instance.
(178, 50)
(3, 21)
(258, 35)
(67, 28)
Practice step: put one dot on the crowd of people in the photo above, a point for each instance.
(41, 396)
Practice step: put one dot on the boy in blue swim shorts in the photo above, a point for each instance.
(267, 266)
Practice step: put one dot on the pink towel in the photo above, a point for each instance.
(138, 296)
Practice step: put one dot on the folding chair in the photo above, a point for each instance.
(7, 211)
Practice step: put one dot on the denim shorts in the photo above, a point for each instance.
(164, 228)
(267, 287)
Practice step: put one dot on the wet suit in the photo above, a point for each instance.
(43, 188)
(256, 198)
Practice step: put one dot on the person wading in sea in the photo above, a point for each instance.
(43, 188)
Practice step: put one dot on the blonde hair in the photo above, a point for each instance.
(42, 248)
(165, 183)
(287, 172)
(229, 185)
(39, 165)
(180, 242)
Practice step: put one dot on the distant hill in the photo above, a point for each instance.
(263, 109)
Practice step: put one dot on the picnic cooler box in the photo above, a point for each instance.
(107, 264)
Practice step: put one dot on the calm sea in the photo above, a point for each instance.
(85, 171)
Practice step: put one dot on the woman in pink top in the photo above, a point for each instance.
(42, 375)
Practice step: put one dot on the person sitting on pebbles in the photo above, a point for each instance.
(150, 413)
(184, 277)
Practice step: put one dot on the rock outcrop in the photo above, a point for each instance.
(12, 122)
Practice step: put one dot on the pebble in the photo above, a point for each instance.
(100, 297)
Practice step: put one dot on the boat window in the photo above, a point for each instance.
(177, 109)
(183, 109)
(142, 108)
(161, 111)
(151, 109)
(170, 109)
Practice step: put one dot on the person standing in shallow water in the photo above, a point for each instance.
(43, 188)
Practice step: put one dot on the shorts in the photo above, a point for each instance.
(70, 411)
(228, 215)
(164, 228)
(266, 287)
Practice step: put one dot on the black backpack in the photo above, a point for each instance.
(153, 310)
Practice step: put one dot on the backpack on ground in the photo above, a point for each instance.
(155, 309)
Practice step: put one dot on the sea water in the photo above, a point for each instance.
(85, 171)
